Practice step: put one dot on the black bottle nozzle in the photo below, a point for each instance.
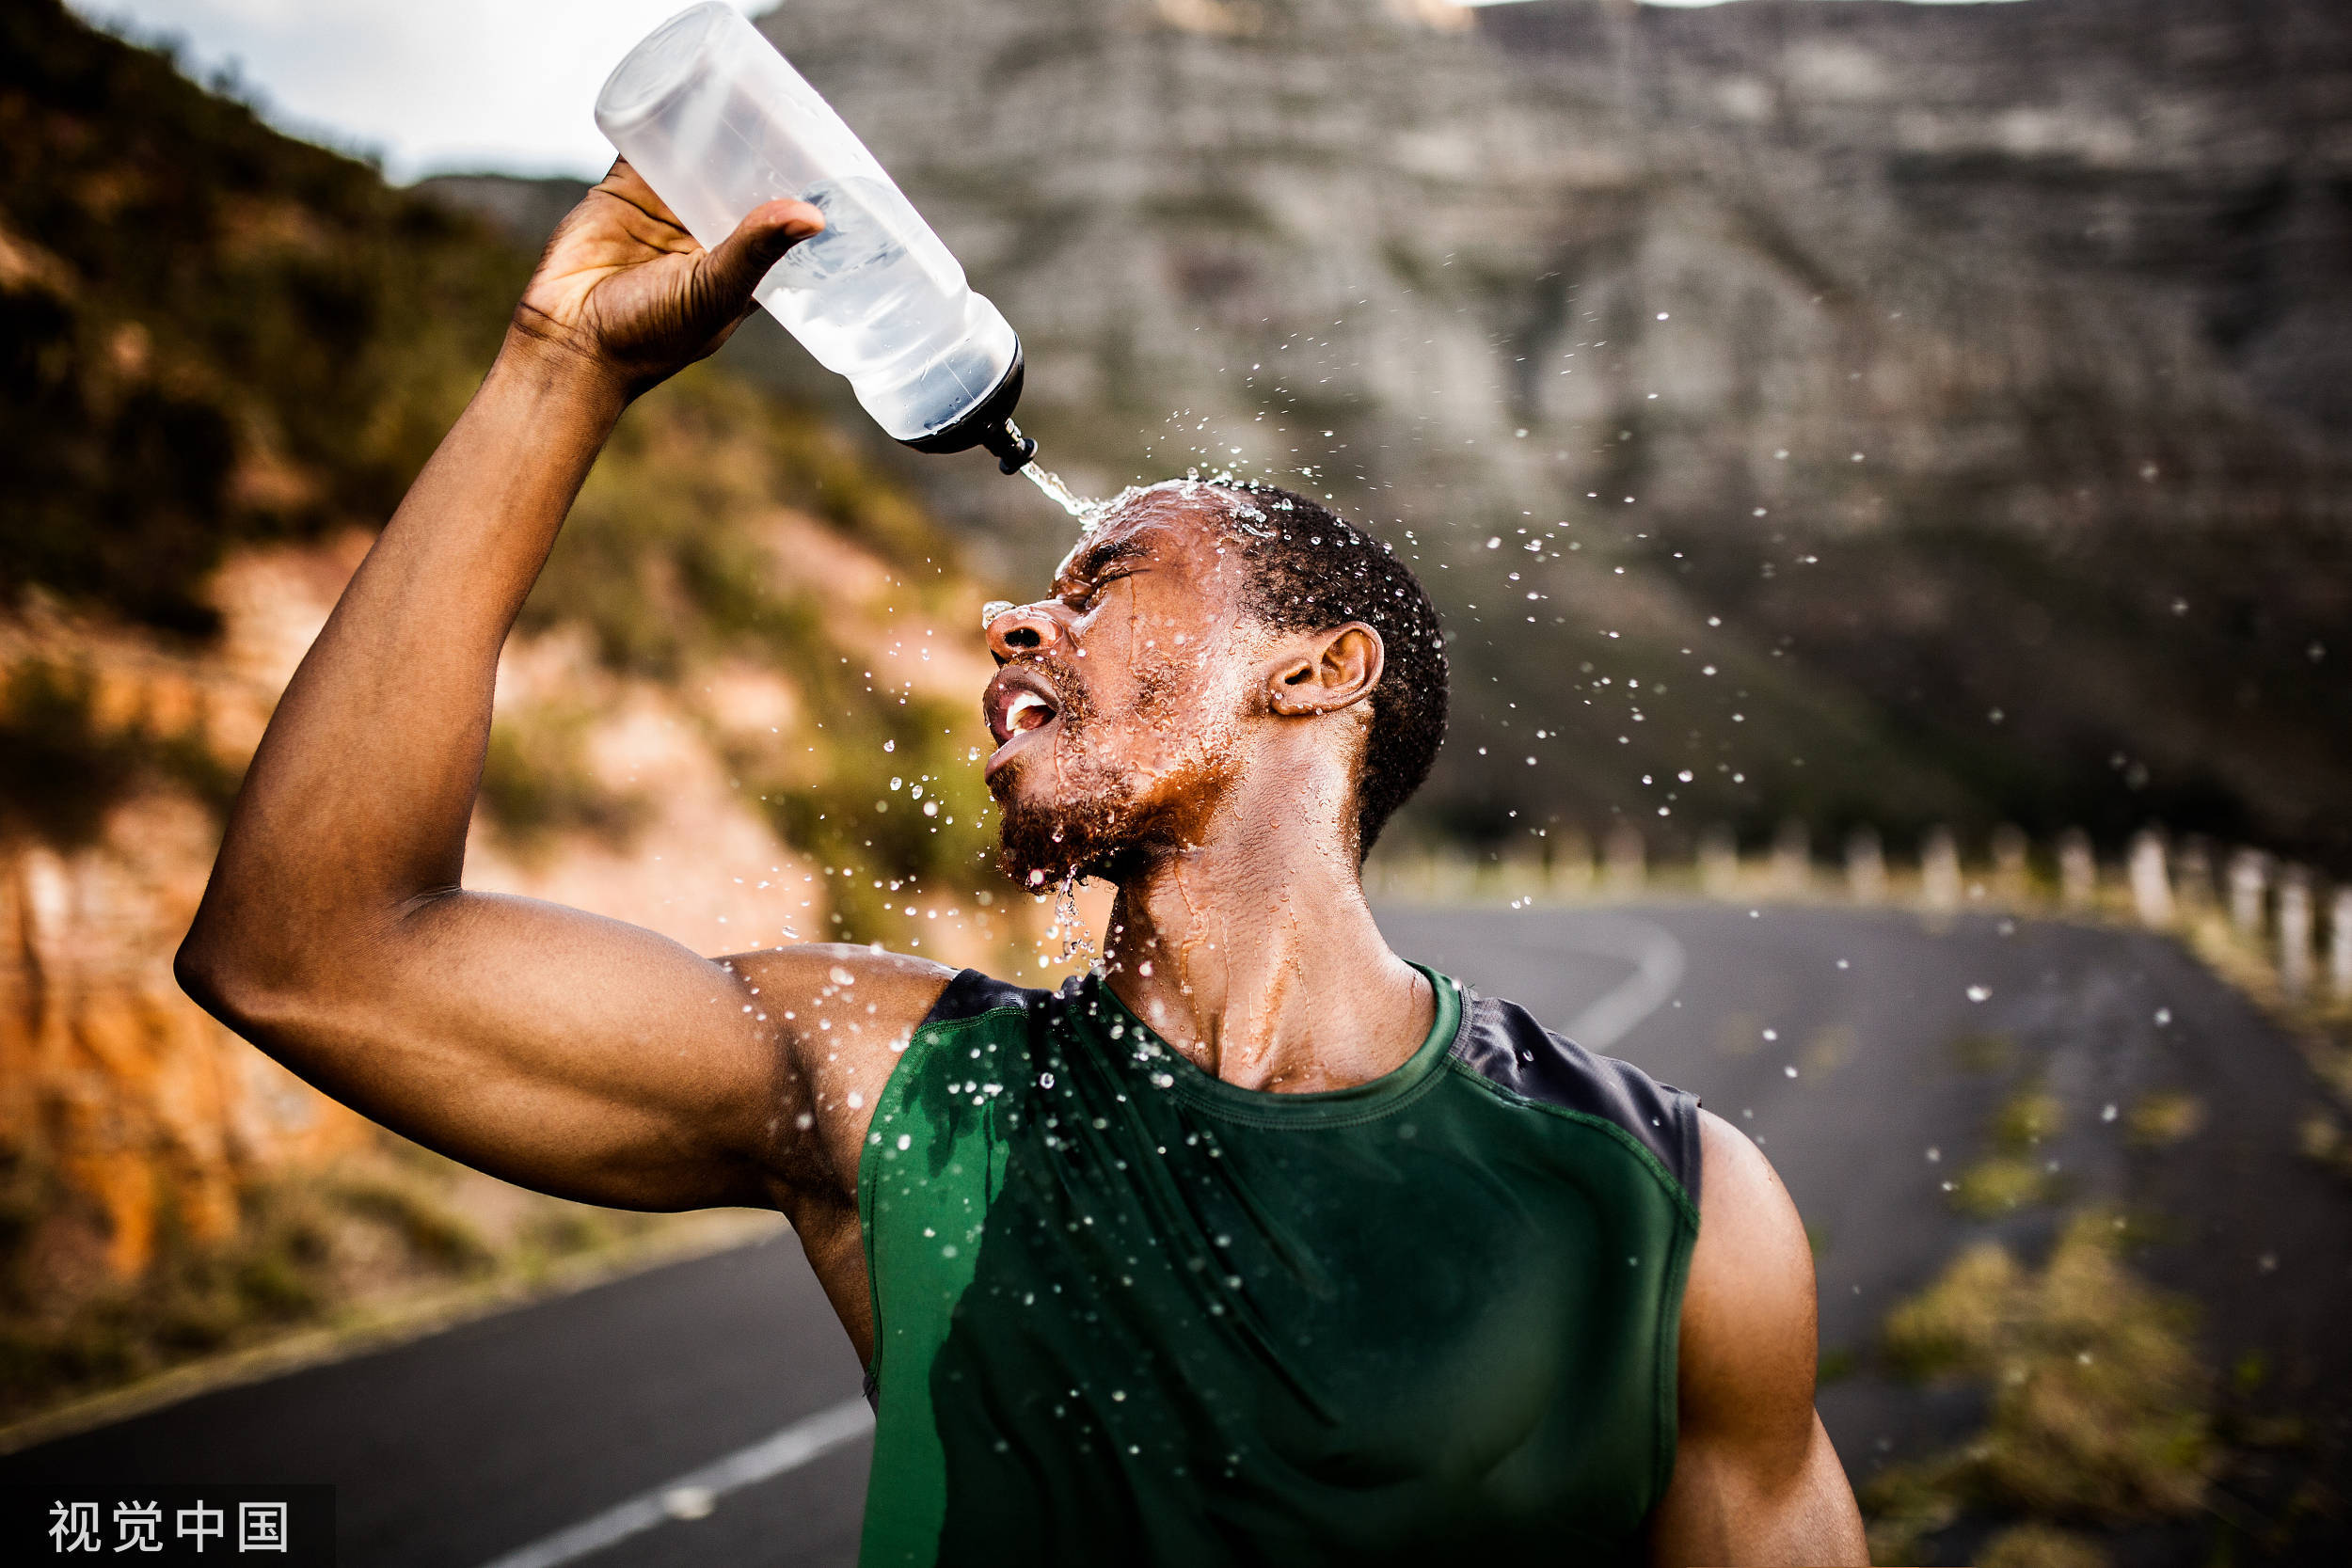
(1012, 449)
(989, 423)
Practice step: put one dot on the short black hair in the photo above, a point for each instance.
(1313, 570)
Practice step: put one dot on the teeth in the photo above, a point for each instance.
(1023, 704)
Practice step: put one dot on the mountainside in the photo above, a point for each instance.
(226, 354)
(1874, 412)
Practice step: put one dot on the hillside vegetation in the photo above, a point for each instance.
(227, 352)
(219, 336)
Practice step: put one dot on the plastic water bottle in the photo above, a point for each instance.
(718, 122)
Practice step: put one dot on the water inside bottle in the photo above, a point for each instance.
(854, 293)
(861, 300)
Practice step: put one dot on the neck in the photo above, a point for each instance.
(1255, 955)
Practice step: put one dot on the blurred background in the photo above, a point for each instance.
(1882, 467)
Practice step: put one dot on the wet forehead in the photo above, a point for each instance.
(1176, 525)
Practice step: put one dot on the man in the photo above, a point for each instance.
(1264, 1245)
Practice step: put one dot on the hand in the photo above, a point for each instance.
(622, 285)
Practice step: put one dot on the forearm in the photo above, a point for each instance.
(358, 796)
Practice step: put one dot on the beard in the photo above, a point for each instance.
(1095, 817)
(1094, 826)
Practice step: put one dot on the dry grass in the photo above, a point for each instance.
(2099, 1406)
(1997, 1185)
(2164, 1117)
(2015, 1175)
(2040, 1546)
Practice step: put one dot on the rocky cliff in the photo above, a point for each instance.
(1842, 411)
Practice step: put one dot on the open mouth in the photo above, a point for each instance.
(1018, 702)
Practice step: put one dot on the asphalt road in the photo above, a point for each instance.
(1839, 1039)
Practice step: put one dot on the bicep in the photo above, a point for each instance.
(559, 1050)
(1756, 1479)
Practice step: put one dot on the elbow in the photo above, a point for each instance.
(206, 971)
(219, 973)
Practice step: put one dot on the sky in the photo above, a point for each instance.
(429, 86)
(426, 85)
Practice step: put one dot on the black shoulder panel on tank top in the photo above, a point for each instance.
(1501, 1042)
(972, 994)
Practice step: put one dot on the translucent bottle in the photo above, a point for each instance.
(718, 122)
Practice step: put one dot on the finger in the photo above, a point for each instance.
(624, 180)
(734, 270)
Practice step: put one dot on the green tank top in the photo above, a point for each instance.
(1126, 1312)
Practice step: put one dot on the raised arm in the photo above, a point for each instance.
(1756, 1479)
(573, 1054)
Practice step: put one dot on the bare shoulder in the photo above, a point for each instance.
(1756, 1479)
(841, 1015)
(1749, 1313)
(831, 999)
(1748, 1224)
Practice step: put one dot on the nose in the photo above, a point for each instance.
(1017, 629)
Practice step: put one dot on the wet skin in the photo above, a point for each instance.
(1153, 730)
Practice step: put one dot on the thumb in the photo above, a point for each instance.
(734, 270)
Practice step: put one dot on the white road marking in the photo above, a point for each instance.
(1658, 964)
(692, 1495)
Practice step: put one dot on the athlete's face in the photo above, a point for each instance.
(1124, 699)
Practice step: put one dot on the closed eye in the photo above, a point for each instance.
(1087, 598)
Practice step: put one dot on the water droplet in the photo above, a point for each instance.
(1075, 939)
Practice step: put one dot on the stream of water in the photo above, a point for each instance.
(1049, 482)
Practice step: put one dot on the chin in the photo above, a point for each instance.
(1102, 835)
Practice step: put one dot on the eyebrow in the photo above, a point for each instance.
(1108, 554)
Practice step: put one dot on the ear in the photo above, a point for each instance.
(1334, 669)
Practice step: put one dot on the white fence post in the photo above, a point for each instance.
(1939, 870)
(2078, 871)
(2192, 875)
(2249, 877)
(1866, 865)
(1628, 864)
(2152, 883)
(1569, 865)
(1719, 862)
(2295, 930)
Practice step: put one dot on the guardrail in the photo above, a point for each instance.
(2272, 923)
